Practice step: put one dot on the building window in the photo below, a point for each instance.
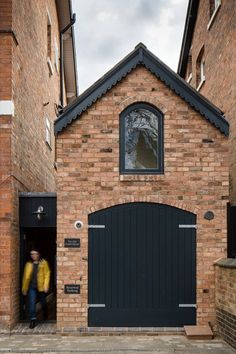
(214, 7)
(49, 44)
(189, 68)
(200, 69)
(141, 140)
(49, 37)
(48, 135)
(56, 55)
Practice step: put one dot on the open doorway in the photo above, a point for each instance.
(43, 239)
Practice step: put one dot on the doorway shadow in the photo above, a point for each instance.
(43, 239)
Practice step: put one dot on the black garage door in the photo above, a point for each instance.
(142, 266)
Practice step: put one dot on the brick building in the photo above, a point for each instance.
(207, 62)
(30, 96)
(143, 167)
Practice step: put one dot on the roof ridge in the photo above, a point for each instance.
(142, 56)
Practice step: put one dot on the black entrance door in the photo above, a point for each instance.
(142, 266)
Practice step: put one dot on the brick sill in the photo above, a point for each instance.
(189, 79)
(201, 84)
(140, 178)
(226, 263)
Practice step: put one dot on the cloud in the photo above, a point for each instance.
(107, 30)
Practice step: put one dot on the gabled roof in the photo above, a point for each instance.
(187, 36)
(141, 56)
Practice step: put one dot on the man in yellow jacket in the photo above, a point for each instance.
(35, 283)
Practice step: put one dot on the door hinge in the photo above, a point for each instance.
(183, 226)
(188, 305)
(96, 226)
(96, 305)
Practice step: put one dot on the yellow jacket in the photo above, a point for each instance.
(43, 276)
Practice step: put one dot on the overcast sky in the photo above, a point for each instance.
(107, 30)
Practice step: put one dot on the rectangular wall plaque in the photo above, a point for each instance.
(72, 289)
(72, 242)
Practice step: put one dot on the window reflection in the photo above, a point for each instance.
(141, 140)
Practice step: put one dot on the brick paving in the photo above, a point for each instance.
(161, 344)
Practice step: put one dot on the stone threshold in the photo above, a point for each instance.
(101, 331)
(226, 263)
(51, 328)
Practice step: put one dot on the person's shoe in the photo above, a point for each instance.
(32, 324)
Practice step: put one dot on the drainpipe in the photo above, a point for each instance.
(72, 21)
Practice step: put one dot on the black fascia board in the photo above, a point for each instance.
(186, 91)
(187, 36)
(99, 88)
(141, 56)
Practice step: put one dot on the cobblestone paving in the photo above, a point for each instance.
(161, 344)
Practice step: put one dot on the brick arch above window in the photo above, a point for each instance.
(152, 100)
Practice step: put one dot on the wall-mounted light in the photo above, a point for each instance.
(39, 212)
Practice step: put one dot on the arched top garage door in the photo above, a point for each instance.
(142, 266)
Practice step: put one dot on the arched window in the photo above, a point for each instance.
(141, 140)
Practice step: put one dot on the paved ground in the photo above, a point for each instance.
(136, 344)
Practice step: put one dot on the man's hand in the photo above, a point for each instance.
(46, 289)
(24, 293)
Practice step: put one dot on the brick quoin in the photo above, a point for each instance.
(88, 180)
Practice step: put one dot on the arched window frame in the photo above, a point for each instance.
(160, 146)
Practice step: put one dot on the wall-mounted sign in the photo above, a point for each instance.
(72, 242)
(72, 289)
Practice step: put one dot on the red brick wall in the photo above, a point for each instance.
(5, 216)
(88, 179)
(219, 43)
(5, 14)
(27, 161)
(35, 94)
(226, 299)
(6, 43)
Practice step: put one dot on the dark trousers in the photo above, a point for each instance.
(33, 293)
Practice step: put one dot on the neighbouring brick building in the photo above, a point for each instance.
(207, 62)
(143, 169)
(29, 99)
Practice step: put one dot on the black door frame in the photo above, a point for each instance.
(28, 219)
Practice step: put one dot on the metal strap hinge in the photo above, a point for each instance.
(181, 226)
(188, 305)
(96, 305)
(96, 226)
